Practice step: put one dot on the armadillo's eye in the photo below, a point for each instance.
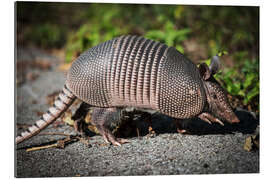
(214, 96)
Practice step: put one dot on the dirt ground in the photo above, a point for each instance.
(205, 150)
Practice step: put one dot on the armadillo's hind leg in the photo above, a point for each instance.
(103, 118)
(79, 116)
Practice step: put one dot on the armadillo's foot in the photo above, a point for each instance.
(148, 119)
(151, 132)
(109, 137)
(209, 118)
(114, 141)
(179, 127)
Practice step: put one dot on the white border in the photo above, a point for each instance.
(7, 81)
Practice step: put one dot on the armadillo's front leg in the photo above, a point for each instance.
(179, 126)
(209, 118)
(147, 117)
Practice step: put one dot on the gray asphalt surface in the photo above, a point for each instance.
(206, 150)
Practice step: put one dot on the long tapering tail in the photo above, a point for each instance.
(61, 104)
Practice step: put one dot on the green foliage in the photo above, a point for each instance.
(242, 81)
(170, 35)
(232, 28)
(105, 21)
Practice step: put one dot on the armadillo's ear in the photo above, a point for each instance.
(204, 71)
(214, 65)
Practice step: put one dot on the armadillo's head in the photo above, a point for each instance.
(217, 101)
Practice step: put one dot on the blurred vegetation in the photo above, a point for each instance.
(197, 31)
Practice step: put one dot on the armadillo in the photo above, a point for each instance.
(132, 72)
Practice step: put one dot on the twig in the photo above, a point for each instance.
(59, 144)
(41, 147)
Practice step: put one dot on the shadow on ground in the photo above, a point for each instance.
(163, 124)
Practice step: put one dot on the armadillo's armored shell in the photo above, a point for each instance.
(87, 77)
(181, 92)
(138, 72)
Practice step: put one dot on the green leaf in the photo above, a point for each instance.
(249, 79)
(180, 48)
(241, 93)
(155, 34)
(254, 92)
(208, 61)
(222, 53)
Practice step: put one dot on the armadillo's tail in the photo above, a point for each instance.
(64, 100)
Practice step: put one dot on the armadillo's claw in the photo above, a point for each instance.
(122, 140)
(209, 118)
(105, 138)
(206, 120)
(181, 131)
(110, 138)
(218, 121)
(117, 142)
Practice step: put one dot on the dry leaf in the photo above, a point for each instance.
(67, 118)
(93, 128)
(248, 144)
(252, 143)
(87, 118)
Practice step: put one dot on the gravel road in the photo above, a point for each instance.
(205, 150)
